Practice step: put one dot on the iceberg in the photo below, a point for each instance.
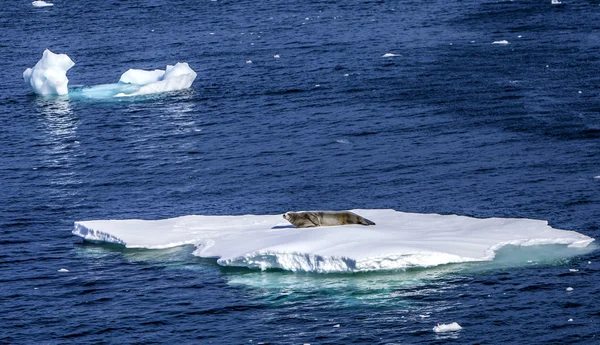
(40, 3)
(399, 240)
(49, 75)
(451, 327)
(173, 78)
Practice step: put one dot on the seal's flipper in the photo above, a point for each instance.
(313, 218)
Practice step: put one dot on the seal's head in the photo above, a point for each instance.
(288, 216)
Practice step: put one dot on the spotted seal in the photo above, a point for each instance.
(309, 219)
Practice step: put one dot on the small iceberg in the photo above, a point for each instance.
(173, 78)
(451, 327)
(399, 241)
(40, 3)
(49, 78)
(390, 55)
(500, 42)
(49, 75)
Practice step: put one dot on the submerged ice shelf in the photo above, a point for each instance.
(49, 77)
(399, 240)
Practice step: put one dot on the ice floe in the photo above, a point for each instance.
(389, 55)
(49, 77)
(39, 3)
(451, 327)
(500, 42)
(173, 78)
(399, 240)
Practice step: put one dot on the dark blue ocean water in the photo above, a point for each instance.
(453, 125)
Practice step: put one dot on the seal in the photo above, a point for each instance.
(308, 219)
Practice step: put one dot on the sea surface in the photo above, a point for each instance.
(296, 108)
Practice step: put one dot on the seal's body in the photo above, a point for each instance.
(309, 219)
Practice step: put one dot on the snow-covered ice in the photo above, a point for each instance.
(49, 75)
(451, 327)
(173, 78)
(40, 3)
(399, 240)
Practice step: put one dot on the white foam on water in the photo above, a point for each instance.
(39, 3)
(451, 327)
(49, 75)
(399, 240)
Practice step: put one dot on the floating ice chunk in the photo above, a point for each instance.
(399, 240)
(336, 325)
(63, 270)
(570, 320)
(451, 327)
(276, 56)
(573, 270)
(500, 42)
(174, 78)
(40, 3)
(141, 77)
(555, 2)
(389, 55)
(49, 75)
(248, 61)
(569, 289)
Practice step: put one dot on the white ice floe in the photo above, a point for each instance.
(451, 327)
(63, 270)
(399, 240)
(569, 289)
(389, 55)
(174, 78)
(49, 75)
(500, 42)
(40, 3)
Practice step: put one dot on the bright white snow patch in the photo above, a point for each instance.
(399, 240)
(500, 42)
(40, 3)
(451, 327)
(49, 75)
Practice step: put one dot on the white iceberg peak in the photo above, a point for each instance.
(49, 75)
